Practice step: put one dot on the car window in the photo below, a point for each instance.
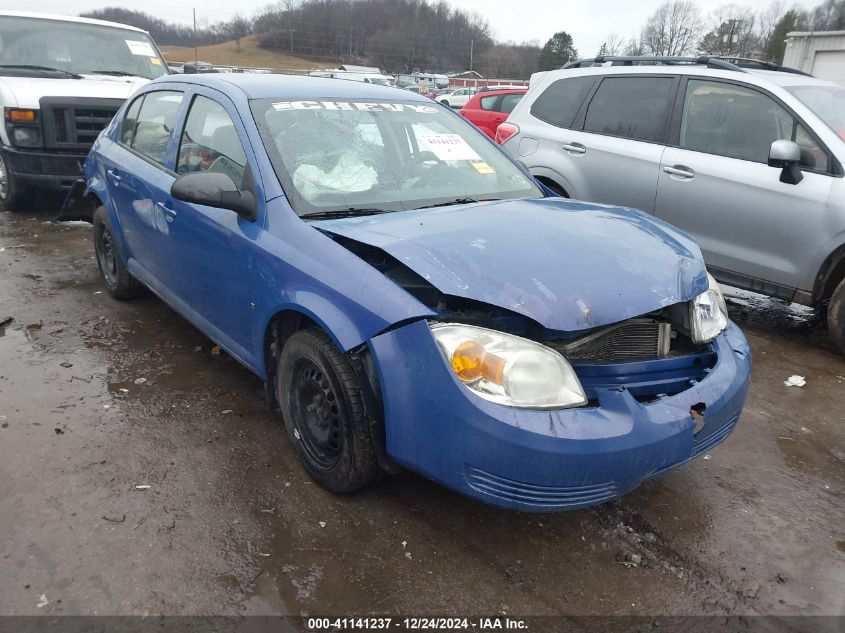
(631, 107)
(561, 101)
(509, 102)
(737, 122)
(488, 103)
(127, 132)
(210, 142)
(156, 118)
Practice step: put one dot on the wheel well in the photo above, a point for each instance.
(830, 274)
(281, 327)
(551, 184)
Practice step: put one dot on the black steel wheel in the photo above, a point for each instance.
(324, 414)
(113, 273)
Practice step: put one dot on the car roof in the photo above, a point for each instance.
(751, 75)
(69, 18)
(268, 86)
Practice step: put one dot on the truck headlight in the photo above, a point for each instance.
(507, 369)
(708, 313)
(26, 136)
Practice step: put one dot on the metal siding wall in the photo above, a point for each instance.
(801, 50)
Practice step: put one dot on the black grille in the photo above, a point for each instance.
(61, 125)
(76, 123)
(636, 339)
(90, 122)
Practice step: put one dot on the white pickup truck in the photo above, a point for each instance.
(61, 81)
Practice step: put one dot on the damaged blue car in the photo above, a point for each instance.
(411, 297)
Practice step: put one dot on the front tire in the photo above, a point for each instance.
(14, 195)
(119, 283)
(836, 316)
(323, 411)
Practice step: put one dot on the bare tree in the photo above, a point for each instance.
(635, 46)
(734, 32)
(673, 29)
(767, 20)
(613, 44)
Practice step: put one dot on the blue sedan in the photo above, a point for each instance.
(411, 297)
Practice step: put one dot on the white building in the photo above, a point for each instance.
(821, 54)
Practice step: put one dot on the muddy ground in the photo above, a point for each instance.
(98, 397)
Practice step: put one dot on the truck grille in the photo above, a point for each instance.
(75, 123)
(635, 339)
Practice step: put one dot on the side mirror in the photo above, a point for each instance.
(214, 189)
(786, 155)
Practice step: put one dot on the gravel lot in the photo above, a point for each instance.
(98, 397)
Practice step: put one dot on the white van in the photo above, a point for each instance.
(61, 81)
(351, 75)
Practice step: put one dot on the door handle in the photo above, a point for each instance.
(169, 213)
(575, 148)
(680, 172)
(114, 176)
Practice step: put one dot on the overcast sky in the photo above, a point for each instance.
(588, 22)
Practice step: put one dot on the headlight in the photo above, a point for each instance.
(507, 369)
(26, 136)
(708, 314)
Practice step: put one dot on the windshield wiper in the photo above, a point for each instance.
(349, 212)
(450, 203)
(45, 69)
(116, 73)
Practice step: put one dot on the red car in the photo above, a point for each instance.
(489, 108)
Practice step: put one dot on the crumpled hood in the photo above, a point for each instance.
(568, 265)
(26, 92)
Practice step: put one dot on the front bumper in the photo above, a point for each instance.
(49, 169)
(546, 460)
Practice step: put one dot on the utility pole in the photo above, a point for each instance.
(471, 43)
(195, 35)
(291, 41)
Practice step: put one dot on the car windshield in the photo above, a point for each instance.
(382, 155)
(380, 81)
(826, 102)
(37, 47)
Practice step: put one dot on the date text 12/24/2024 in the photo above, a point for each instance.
(416, 624)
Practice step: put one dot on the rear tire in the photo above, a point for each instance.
(836, 316)
(119, 283)
(14, 195)
(323, 411)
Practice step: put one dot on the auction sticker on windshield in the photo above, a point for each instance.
(447, 146)
(137, 47)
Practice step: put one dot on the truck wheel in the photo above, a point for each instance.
(836, 316)
(116, 278)
(324, 414)
(13, 193)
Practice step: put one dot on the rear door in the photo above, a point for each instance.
(622, 140)
(715, 183)
(487, 116)
(603, 136)
(138, 177)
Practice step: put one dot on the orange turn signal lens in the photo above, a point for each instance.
(19, 115)
(471, 361)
